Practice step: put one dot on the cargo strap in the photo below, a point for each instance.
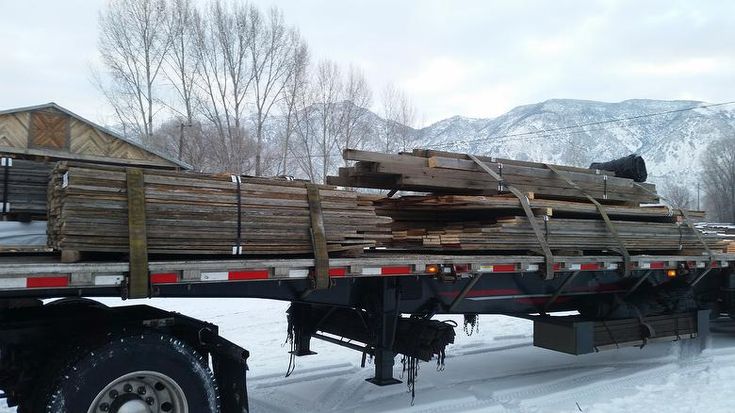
(237, 248)
(688, 221)
(318, 239)
(6, 164)
(548, 256)
(138, 282)
(601, 209)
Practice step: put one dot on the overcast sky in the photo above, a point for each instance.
(473, 58)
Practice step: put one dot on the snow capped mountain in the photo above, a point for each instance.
(670, 135)
(671, 142)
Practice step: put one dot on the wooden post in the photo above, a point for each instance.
(138, 279)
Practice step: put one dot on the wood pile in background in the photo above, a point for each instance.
(723, 230)
(27, 183)
(188, 213)
(445, 172)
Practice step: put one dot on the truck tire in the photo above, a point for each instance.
(147, 372)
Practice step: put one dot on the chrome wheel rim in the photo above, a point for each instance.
(140, 392)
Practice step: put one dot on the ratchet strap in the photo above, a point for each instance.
(318, 238)
(687, 220)
(6, 164)
(237, 248)
(601, 209)
(548, 256)
(138, 282)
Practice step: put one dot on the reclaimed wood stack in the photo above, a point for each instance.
(467, 209)
(188, 213)
(446, 172)
(23, 188)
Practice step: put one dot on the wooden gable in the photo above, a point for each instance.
(53, 132)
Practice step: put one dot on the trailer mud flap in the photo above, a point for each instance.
(229, 365)
(575, 335)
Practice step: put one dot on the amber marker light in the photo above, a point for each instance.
(432, 269)
(671, 273)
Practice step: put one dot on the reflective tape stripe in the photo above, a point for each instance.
(247, 275)
(652, 265)
(214, 276)
(371, 271)
(165, 278)
(395, 270)
(108, 279)
(13, 283)
(499, 268)
(234, 275)
(298, 273)
(337, 272)
(47, 282)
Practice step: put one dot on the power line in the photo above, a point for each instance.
(582, 125)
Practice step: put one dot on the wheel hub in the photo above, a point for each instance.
(140, 392)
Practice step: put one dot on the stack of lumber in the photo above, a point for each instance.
(23, 187)
(467, 210)
(515, 233)
(446, 172)
(188, 213)
(725, 231)
(479, 207)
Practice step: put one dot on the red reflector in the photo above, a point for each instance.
(395, 270)
(558, 266)
(504, 268)
(248, 275)
(164, 278)
(47, 282)
(337, 272)
(589, 267)
(658, 265)
(462, 268)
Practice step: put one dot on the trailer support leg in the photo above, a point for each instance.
(387, 319)
(302, 331)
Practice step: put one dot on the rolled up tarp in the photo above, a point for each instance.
(631, 167)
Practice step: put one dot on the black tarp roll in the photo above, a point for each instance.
(631, 166)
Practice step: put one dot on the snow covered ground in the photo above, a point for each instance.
(495, 370)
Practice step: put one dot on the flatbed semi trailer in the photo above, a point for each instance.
(61, 351)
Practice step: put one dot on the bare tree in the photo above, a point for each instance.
(224, 78)
(180, 68)
(679, 196)
(196, 151)
(182, 61)
(399, 118)
(271, 48)
(357, 97)
(133, 43)
(718, 178)
(328, 94)
(293, 98)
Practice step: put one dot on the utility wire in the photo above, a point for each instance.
(582, 125)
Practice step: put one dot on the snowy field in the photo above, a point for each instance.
(495, 370)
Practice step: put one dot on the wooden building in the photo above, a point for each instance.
(52, 132)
